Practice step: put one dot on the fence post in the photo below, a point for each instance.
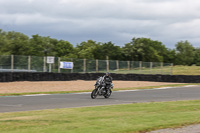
(53, 65)
(49, 67)
(151, 64)
(84, 65)
(58, 64)
(128, 63)
(172, 68)
(12, 63)
(73, 67)
(117, 63)
(161, 67)
(29, 63)
(107, 64)
(97, 65)
(44, 65)
(140, 66)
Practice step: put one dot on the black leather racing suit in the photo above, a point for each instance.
(108, 81)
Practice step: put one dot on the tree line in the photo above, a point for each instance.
(138, 49)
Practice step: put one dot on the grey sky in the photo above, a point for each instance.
(168, 21)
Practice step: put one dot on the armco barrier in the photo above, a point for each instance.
(33, 76)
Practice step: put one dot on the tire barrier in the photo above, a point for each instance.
(36, 76)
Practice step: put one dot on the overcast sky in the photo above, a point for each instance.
(168, 21)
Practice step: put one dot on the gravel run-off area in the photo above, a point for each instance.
(78, 85)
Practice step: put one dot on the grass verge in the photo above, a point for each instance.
(186, 70)
(115, 89)
(127, 118)
(177, 70)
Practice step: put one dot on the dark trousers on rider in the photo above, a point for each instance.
(107, 87)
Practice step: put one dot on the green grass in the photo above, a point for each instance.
(115, 89)
(127, 118)
(155, 70)
(186, 70)
(177, 70)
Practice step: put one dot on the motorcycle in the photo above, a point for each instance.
(100, 89)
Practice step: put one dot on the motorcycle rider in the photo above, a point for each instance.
(108, 81)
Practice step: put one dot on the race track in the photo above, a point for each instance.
(40, 102)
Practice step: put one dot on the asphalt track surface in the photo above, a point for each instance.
(53, 101)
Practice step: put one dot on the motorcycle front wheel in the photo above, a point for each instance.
(94, 94)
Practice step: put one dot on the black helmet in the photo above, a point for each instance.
(107, 74)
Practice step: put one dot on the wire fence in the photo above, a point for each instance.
(16, 63)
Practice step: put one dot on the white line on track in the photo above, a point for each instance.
(126, 90)
(81, 93)
(164, 88)
(36, 95)
(8, 105)
(190, 85)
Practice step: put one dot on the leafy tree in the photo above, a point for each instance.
(197, 57)
(184, 53)
(63, 49)
(108, 49)
(170, 56)
(86, 49)
(143, 49)
(139, 49)
(42, 46)
(129, 51)
(16, 43)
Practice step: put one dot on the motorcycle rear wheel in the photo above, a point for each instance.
(94, 94)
